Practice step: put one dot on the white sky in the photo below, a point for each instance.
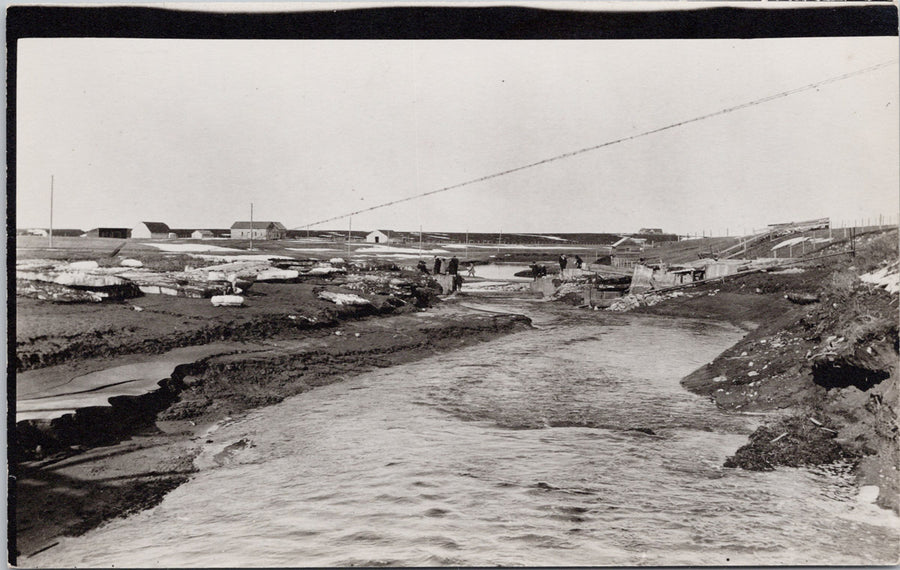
(189, 132)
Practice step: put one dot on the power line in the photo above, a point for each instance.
(613, 142)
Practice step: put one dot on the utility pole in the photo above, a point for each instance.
(349, 230)
(251, 226)
(51, 211)
(467, 244)
(420, 240)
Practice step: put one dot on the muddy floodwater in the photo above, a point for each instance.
(569, 444)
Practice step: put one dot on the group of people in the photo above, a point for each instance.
(564, 262)
(452, 268)
(538, 270)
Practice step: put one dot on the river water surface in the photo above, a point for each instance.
(570, 444)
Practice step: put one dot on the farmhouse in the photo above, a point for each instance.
(258, 230)
(378, 236)
(201, 234)
(150, 230)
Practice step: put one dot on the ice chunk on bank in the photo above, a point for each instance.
(343, 298)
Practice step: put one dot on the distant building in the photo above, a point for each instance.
(258, 230)
(378, 236)
(645, 231)
(201, 234)
(150, 230)
(118, 233)
(181, 232)
(627, 251)
(68, 232)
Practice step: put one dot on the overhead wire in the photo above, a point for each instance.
(584, 150)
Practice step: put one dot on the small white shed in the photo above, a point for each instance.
(201, 234)
(378, 236)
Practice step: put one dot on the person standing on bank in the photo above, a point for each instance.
(578, 262)
(563, 261)
(471, 270)
(422, 267)
(437, 265)
(453, 271)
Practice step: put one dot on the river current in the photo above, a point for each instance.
(570, 444)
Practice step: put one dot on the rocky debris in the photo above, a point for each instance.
(630, 302)
(795, 441)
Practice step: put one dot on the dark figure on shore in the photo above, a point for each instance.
(578, 262)
(453, 271)
(563, 261)
(437, 265)
(422, 267)
(535, 270)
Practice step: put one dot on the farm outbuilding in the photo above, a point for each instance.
(627, 251)
(118, 233)
(378, 236)
(150, 230)
(201, 234)
(258, 230)
(68, 232)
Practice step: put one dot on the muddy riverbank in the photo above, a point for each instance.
(86, 472)
(826, 370)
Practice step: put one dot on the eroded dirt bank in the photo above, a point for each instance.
(77, 471)
(826, 370)
(52, 333)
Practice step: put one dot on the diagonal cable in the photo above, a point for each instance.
(718, 113)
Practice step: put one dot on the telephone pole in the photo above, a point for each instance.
(51, 211)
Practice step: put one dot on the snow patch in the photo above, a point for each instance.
(887, 277)
(188, 247)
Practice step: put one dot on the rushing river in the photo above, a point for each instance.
(570, 444)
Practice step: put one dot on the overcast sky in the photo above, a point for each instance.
(190, 132)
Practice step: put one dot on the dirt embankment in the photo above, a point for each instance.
(77, 471)
(827, 369)
(49, 333)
